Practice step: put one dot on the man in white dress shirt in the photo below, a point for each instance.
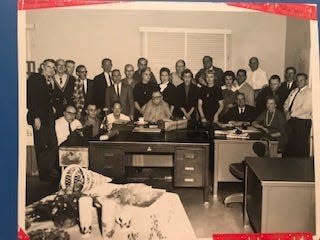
(298, 109)
(66, 124)
(257, 78)
(116, 116)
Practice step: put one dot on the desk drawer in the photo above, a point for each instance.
(108, 161)
(149, 148)
(189, 167)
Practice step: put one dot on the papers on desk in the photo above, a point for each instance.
(146, 130)
(237, 136)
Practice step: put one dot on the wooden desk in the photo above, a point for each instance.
(227, 151)
(280, 194)
(190, 150)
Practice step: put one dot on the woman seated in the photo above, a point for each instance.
(272, 121)
(167, 89)
(229, 92)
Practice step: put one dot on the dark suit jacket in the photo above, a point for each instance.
(264, 94)
(285, 90)
(126, 99)
(63, 96)
(182, 101)
(89, 95)
(219, 81)
(99, 90)
(39, 99)
(249, 114)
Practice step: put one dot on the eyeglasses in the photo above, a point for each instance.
(71, 113)
(82, 71)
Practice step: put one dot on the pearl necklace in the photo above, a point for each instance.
(268, 124)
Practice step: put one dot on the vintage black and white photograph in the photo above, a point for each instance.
(149, 120)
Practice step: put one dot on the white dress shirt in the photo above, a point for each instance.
(302, 103)
(108, 79)
(115, 88)
(111, 118)
(241, 109)
(62, 128)
(257, 79)
(85, 85)
(163, 86)
(61, 80)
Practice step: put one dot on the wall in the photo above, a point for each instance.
(298, 44)
(87, 36)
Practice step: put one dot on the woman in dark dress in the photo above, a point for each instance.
(142, 92)
(167, 89)
(210, 103)
(272, 121)
(186, 97)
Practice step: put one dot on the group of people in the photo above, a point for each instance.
(59, 102)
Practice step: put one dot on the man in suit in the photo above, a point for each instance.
(240, 114)
(290, 83)
(271, 90)
(41, 117)
(64, 87)
(82, 94)
(142, 65)
(100, 84)
(120, 92)
(200, 77)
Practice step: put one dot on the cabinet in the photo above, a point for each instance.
(107, 161)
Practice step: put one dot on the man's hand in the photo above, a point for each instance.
(131, 117)
(187, 115)
(37, 123)
(215, 119)
(204, 120)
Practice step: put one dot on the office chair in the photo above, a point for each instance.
(261, 149)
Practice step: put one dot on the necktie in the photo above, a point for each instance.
(288, 85)
(70, 130)
(242, 111)
(61, 81)
(291, 104)
(110, 81)
(118, 90)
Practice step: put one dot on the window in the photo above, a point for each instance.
(164, 46)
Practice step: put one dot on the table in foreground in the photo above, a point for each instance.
(164, 218)
(228, 151)
(280, 194)
(190, 150)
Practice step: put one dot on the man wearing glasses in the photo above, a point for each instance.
(66, 124)
(156, 109)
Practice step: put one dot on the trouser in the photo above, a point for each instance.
(46, 148)
(298, 144)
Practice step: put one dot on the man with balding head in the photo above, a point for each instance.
(176, 77)
(129, 80)
(142, 65)
(257, 78)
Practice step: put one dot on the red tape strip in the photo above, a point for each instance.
(263, 236)
(22, 235)
(298, 10)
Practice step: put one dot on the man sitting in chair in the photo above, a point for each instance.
(91, 119)
(66, 124)
(241, 113)
(116, 116)
(156, 109)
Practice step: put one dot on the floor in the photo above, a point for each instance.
(205, 220)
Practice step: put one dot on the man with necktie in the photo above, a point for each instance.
(100, 84)
(290, 83)
(40, 115)
(119, 92)
(298, 109)
(66, 124)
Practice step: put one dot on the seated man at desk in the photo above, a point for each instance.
(272, 121)
(66, 124)
(156, 109)
(91, 119)
(116, 116)
(241, 113)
